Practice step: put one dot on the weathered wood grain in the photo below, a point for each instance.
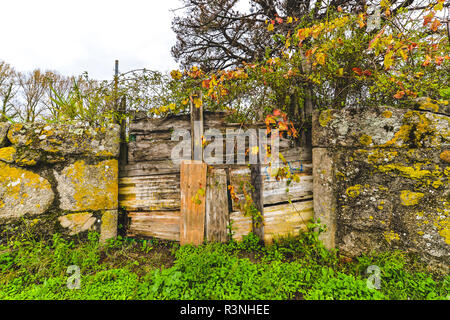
(146, 168)
(159, 224)
(286, 219)
(240, 225)
(274, 191)
(192, 224)
(147, 193)
(150, 150)
(256, 180)
(279, 220)
(216, 206)
(145, 126)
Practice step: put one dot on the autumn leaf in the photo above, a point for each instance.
(439, 60)
(320, 58)
(205, 84)
(367, 73)
(427, 61)
(427, 19)
(375, 40)
(270, 27)
(434, 26)
(197, 102)
(279, 20)
(358, 71)
(277, 112)
(388, 60)
(399, 94)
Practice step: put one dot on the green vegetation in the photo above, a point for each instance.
(291, 268)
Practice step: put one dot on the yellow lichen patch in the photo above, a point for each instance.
(89, 187)
(437, 183)
(104, 153)
(365, 140)
(7, 154)
(390, 236)
(21, 191)
(445, 156)
(26, 162)
(325, 117)
(429, 105)
(387, 114)
(409, 198)
(414, 172)
(353, 191)
(379, 155)
(401, 135)
(16, 127)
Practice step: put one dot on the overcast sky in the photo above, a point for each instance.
(87, 35)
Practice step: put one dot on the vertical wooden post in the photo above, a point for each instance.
(257, 197)
(123, 154)
(192, 185)
(197, 131)
(216, 206)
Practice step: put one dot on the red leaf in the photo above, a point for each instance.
(358, 71)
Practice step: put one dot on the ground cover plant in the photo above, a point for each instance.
(291, 268)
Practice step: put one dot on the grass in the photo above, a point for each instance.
(292, 268)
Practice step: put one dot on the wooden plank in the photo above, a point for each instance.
(150, 150)
(216, 205)
(159, 224)
(192, 224)
(240, 225)
(286, 219)
(169, 123)
(174, 122)
(147, 168)
(279, 220)
(258, 200)
(274, 191)
(147, 193)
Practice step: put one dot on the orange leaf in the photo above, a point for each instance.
(358, 71)
(399, 95)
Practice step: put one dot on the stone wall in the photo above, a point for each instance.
(381, 180)
(59, 178)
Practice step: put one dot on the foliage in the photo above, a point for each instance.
(291, 268)
(217, 34)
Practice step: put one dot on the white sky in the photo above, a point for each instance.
(87, 35)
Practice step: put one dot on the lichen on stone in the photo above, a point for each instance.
(7, 154)
(410, 198)
(325, 117)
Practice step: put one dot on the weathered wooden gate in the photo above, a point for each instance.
(191, 202)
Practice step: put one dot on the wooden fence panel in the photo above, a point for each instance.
(216, 205)
(150, 193)
(159, 224)
(192, 223)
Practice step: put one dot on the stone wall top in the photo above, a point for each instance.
(32, 143)
(381, 127)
